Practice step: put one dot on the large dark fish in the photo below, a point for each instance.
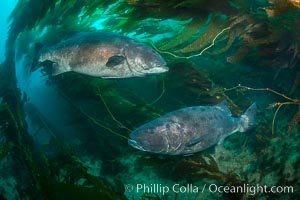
(189, 130)
(105, 55)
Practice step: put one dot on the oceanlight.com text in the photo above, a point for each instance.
(250, 189)
(212, 188)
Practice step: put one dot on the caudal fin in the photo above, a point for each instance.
(248, 119)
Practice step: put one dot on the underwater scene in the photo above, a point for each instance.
(150, 99)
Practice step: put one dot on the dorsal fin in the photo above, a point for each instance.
(224, 107)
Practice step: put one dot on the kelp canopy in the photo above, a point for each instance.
(182, 28)
(209, 46)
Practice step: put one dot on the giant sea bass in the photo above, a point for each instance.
(101, 54)
(190, 130)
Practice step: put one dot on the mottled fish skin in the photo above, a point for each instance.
(105, 55)
(190, 130)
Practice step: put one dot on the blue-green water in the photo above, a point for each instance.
(65, 136)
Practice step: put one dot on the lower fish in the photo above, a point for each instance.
(190, 130)
(101, 54)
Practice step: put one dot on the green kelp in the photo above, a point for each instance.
(5, 149)
(17, 144)
(40, 170)
(71, 178)
(196, 170)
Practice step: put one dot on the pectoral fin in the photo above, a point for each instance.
(196, 141)
(115, 60)
(57, 69)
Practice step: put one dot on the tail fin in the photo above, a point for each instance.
(248, 119)
(35, 63)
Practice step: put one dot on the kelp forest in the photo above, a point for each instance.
(66, 136)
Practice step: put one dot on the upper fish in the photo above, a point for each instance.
(102, 54)
(190, 130)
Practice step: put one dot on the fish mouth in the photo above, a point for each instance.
(158, 69)
(164, 68)
(134, 144)
(162, 65)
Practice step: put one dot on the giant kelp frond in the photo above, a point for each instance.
(44, 174)
(214, 27)
(102, 104)
(295, 3)
(26, 14)
(5, 149)
(204, 167)
(277, 105)
(204, 43)
(179, 9)
(121, 16)
(189, 31)
(18, 144)
(294, 121)
(279, 7)
(66, 172)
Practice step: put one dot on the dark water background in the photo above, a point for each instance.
(64, 137)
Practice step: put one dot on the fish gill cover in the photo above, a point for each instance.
(65, 136)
